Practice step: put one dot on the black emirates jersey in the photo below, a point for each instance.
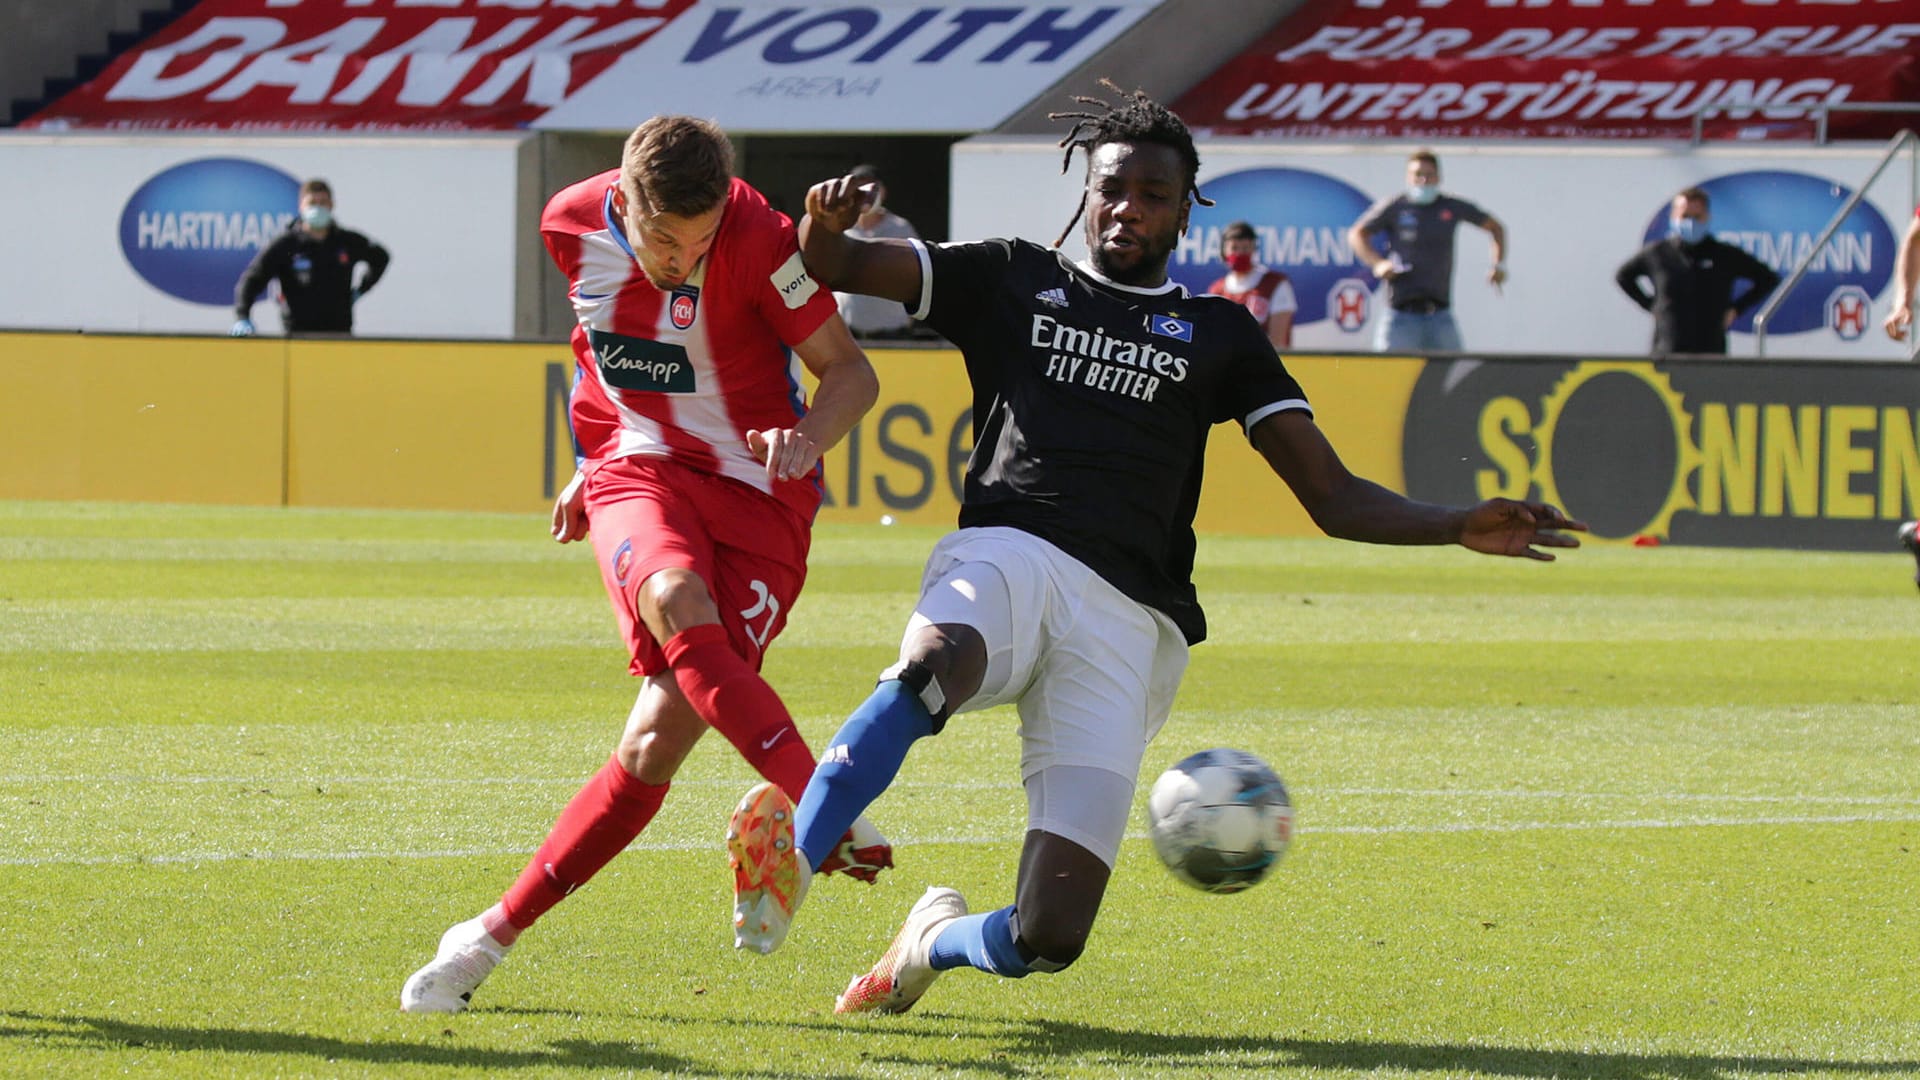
(1091, 407)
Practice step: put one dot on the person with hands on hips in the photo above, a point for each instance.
(313, 261)
(1693, 275)
(1418, 225)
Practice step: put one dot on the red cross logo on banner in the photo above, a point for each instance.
(1847, 311)
(1349, 304)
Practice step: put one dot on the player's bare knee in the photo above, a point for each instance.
(919, 680)
(954, 656)
(1049, 944)
(673, 599)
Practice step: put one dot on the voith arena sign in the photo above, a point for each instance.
(191, 230)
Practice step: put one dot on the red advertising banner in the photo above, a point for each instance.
(1629, 69)
(359, 65)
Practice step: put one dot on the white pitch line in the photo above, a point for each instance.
(1301, 794)
(1631, 823)
(912, 842)
(740, 783)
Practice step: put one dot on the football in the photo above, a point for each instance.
(1220, 819)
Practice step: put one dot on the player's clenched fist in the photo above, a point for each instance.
(836, 204)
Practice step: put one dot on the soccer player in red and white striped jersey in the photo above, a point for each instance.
(699, 475)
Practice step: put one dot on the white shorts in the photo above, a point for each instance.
(1093, 672)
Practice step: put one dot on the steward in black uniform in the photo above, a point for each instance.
(315, 271)
(1693, 290)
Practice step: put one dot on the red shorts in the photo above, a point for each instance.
(647, 514)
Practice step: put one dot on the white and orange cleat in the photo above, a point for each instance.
(769, 880)
(905, 970)
(861, 853)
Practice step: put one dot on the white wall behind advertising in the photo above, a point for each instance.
(1573, 213)
(198, 206)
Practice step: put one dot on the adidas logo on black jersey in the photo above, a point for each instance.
(1056, 297)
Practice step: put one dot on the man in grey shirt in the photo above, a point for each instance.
(872, 316)
(1417, 263)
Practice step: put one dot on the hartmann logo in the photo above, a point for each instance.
(191, 230)
(1301, 219)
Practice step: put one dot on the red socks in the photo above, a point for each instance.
(612, 808)
(597, 825)
(735, 701)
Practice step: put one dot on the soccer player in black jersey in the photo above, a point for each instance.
(1068, 587)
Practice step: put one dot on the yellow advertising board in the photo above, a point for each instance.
(434, 425)
(482, 426)
(1361, 404)
(906, 458)
(141, 419)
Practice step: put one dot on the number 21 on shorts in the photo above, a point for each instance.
(769, 606)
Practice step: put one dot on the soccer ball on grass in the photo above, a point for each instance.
(1220, 819)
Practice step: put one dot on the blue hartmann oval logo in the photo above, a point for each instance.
(1302, 219)
(191, 230)
(1776, 216)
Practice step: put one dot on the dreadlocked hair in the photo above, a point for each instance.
(1138, 119)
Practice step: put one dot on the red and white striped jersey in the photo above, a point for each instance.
(686, 373)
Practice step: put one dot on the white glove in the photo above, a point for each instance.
(243, 328)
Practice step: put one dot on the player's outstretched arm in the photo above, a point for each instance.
(848, 388)
(1512, 527)
(1354, 508)
(885, 267)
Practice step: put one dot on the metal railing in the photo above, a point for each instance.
(1905, 140)
(1818, 111)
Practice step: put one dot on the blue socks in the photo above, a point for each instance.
(859, 763)
(981, 941)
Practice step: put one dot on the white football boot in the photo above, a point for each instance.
(905, 970)
(467, 955)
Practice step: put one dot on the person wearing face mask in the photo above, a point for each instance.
(1415, 258)
(1265, 293)
(313, 261)
(871, 316)
(1693, 276)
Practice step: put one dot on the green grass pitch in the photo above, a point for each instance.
(1640, 814)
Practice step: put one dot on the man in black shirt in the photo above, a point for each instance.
(1068, 587)
(1693, 276)
(313, 261)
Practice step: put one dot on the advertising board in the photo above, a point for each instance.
(151, 233)
(1572, 215)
